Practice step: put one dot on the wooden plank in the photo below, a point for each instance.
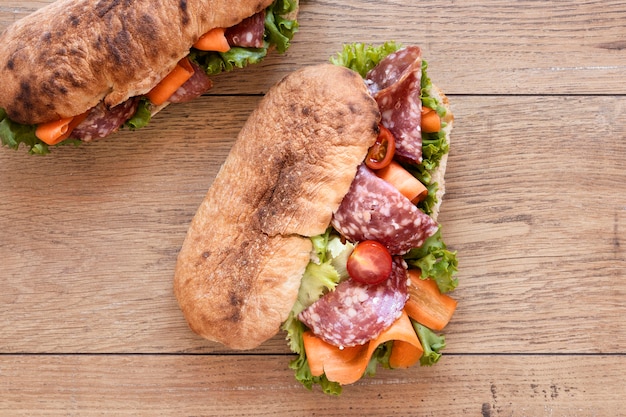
(487, 386)
(535, 207)
(530, 47)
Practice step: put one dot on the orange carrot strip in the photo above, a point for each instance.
(53, 132)
(347, 365)
(213, 40)
(431, 122)
(324, 356)
(402, 179)
(405, 354)
(172, 82)
(58, 130)
(426, 305)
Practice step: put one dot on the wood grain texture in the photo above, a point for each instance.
(147, 385)
(529, 47)
(535, 207)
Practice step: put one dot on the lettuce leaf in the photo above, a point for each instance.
(279, 30)
(13, 134)
(142, 116)
(435, 261)
(431, 343)
(362, 57)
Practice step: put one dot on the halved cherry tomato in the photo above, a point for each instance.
(369, 263)
(381, 153)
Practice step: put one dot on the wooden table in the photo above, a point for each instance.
(536, 208)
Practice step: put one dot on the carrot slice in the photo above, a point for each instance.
(405, 354)
(347, 365)
(431, 122)
(404, 181)
(172, 82)
(213, 40)
(57, 131)
(324, 356)
(426, 305)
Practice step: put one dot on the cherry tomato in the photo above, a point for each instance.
(381, 153)
(369, 263)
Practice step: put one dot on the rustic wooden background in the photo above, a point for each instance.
(536, 208)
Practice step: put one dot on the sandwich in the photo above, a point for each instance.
(78, 70)
(322, 222)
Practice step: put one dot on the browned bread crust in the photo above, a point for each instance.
(66, 57)
(239, 269)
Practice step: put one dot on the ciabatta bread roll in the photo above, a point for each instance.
(240, 267)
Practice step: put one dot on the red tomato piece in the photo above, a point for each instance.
(381, 153)
(369, 263)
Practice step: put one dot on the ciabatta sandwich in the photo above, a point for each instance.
(81, 69)
(322, 222)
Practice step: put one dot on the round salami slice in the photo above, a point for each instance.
(395, 83)
(194, 87)
(373, 209)
(101, 122)
(248, 33)
(356, 313)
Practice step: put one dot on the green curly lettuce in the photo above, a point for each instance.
(362, 57)
(13, 134)
(279, 29)
(432, 344)
(435, 261)
(142, 116)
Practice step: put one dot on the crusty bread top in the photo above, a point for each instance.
(66, 57)
(239, 269)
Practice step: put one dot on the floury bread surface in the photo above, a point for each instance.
(68, 56)
(239, 269)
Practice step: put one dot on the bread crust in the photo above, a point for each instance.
(240, 266)
(66, 57)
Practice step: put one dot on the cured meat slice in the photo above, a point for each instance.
(373, 209)
(248, 33)
(194, 87)
(395, 83)
(355, 313)
(101, 122)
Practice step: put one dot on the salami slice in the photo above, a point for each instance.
(373, 209)
(395, 83)
(194, 87)
(248, 33)
(101, 122)
(356, 313)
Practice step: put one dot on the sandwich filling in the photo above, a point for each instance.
(343, 326)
